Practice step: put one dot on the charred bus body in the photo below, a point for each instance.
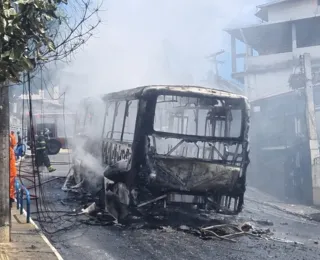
(168, 145)
(178, 144)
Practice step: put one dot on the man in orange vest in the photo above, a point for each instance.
(13, 169)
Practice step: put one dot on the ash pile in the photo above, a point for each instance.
(204, 225)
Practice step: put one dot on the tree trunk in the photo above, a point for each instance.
(4, 165)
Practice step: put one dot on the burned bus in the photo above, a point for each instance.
(174, 145)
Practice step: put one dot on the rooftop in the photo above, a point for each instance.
(263, 12)
(138, 92)
(275, 37)
(273, 3)
(264, 36)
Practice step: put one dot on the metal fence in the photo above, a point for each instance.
(20, 192)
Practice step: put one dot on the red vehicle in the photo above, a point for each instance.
(60, 126)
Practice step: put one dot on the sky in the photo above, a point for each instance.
(154, 42)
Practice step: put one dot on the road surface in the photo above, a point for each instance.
(292, 234)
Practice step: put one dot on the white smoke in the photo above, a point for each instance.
(87, 137)
(90, 162)
(149, 42)
(153, 42)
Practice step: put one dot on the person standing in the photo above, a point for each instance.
(42, 157)
(19, 138)
(12, 168)
(19, 149)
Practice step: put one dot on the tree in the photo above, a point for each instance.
(33, 33)
(37, 32)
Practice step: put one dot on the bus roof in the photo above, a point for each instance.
(136, 93)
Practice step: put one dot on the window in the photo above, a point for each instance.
(198, 116)
(52, 126)
(130, 122)
(89, 119)
(121, 120)
(118, 119)
(307, 32)
(65, 125)
(109, 119)
(297, 124)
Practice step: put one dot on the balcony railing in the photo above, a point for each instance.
(280, 60)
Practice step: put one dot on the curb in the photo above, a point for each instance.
(306, 217)
(45, 239)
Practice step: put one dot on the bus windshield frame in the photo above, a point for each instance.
(211, 117)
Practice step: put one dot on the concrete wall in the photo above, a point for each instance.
(267, 83)
(269, 74)
(281, 60)
(313, 50)
(293, 10)
(267, 62)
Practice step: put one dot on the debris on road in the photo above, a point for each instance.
(221, 229)
(89, 210)
(285, 241)
(246, 227)
(225, 232)
(184, 228)
(264, 222)
(167, 229)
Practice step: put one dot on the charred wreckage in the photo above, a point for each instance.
(164, 146)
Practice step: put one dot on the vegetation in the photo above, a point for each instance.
(35, 32)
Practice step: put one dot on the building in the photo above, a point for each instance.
(280, 153)
(275, 44)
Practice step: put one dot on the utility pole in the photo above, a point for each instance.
(4, 165)
(312, 130)
(213, 59)
(212, 77)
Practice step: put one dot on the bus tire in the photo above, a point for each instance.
(53, 146)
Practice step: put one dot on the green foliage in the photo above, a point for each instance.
(24, 40)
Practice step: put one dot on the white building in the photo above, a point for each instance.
(288, 29)
(281, 140)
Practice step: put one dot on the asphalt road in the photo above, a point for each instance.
(293, 235)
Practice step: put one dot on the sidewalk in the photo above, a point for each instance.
(308, 212)
(27, 242)
(311, 213)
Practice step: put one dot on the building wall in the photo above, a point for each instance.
(293, 10)
(269, 74)
(267, 83)
(280, 60)
(279, 153)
